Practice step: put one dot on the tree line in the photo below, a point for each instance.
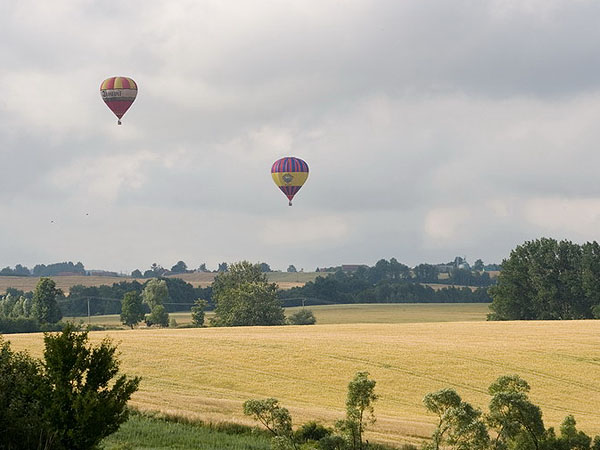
(107, 299)
(42, 270)
(242, 296)
(156, 270)
(386, 282)
(512, 422)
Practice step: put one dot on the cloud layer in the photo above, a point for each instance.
(432, 129)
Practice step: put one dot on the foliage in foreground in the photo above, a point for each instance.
(514, 421)
(71, 400)
(151, 431)
(348, 433)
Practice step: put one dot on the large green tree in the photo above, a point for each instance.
(359, 410)
(243, 297)
(44, 305)
(460, 426)
(517, 421)
(71, 400)
(88, 398)
(132, 311)
(547, 279)
(155, 294)
(198, 312)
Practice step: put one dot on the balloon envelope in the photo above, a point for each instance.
(119, 94)
(289, 174)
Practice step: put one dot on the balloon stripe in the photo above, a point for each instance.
(289, 164)
(289, 174)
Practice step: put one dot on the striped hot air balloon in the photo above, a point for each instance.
(118, 93)
(289, 174)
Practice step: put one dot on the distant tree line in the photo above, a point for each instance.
(107, 299)
(33, 311)
(156, 270)
(42, 270)
(548, 280)
(386, 282)
(42, 309)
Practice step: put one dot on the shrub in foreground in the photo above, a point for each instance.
(71, 400)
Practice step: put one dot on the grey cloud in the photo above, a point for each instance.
(408, 113)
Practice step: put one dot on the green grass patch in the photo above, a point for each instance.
(345, 313)
(158, 431)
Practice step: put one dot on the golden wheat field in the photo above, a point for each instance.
(210, 372)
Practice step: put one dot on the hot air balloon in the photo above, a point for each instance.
(118, 93)
(289, 174)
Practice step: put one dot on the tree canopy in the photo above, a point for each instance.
(547, 279)
(243, 296)
(132, 311)
(70, 400)
(44, 306)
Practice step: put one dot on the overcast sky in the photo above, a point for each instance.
(431, 128)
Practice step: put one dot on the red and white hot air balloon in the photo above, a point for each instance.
(119, 94)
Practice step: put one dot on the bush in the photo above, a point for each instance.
(21, 412)
(19, 325)
(311, 431)
(69, 401)
(158, 316)
(302, 317)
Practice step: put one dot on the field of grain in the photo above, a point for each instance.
(208, 373)
(355, 313)
(397, 312)
(283, 279)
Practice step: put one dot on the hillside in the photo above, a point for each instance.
(208, 373)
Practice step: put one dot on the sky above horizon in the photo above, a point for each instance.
(431, 128)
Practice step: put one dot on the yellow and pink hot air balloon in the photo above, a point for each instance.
(289, 174)
(119, 94)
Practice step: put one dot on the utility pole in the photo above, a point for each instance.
(88, 302)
